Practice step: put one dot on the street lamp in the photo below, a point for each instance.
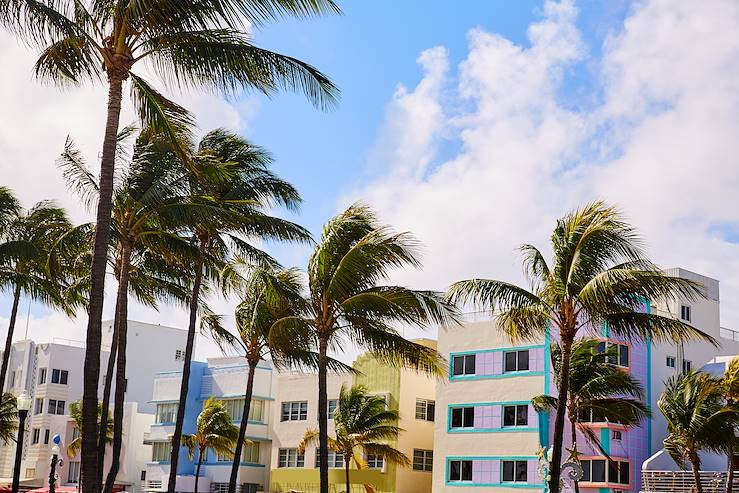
(23, 403)
(54, 461)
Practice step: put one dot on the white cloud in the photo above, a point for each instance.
(661, 143)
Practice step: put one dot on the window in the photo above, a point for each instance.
(224, 457)
(687, 365)
(335, 460)
(143, 475)
(463, 365)
(332, 405)
(598, 474)
(671, 362)
(11, 379)
(289, 457)
(56, 407)
(250, 453)
(235, 408)
(463, 417)
(179, 355)
(31, 472)
(160, 451)
(601, 471)
(74, 472)
(75, 433)
(46, 437)
(39, 406)
(515, 471)
(621, 356)
(460, 470)
(616, 435)
(685, 313)
(517, 360)
(425, 409)
(375, 461)
(423, 460)
(590, 416)
(41, 376)
(35, 435)
(59, 376)
(166, 412)
(516, 415)
(294, 411)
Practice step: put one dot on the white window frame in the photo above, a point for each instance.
(422, 409)
(423, 460)
(290, 458)
(294, 411)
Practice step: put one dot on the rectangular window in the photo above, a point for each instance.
(39, 407)
(332, 405)
(671, 362)
(517, 415)
(598, 472)
(463, 365)
(602, 471)
(621, 356)
(375, 461)
(250, 453)
(143, 475)
(687, 365)
(425, 409)
(590, 416)
(616, 435)
(585, 464)
(41, 376)
(46, 437)
(515, 471)
(56, 407)
(224, 457)
(463, 417)
(59, 376)
(179, 355)
(160, 451)
(35, 436)
(685, 313)
(423, 460)
(516, 360)
(289, 457)
(294, 411)
(335, 460)
(74, 472)
(624, 472)
(166, 412)
(460, 470)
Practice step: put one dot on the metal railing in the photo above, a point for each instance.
(684, 482)
(727, 333)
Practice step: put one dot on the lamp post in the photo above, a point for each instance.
(54, 461)
(23, 403)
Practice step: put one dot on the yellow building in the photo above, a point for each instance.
(411, 393)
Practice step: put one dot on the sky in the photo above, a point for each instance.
(473, 124)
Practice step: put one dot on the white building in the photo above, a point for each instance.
(52, 374)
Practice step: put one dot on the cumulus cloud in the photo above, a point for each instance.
(660, 142)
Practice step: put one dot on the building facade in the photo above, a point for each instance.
(488, 433)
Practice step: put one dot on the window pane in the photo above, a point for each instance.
(507, 470)
(623, 357)
(457, 417)
(469, 417)
(523, 360)
(509, 415)
(521, 467)
(585, 470)
(510, 361)
(522, 415)
(612, 472)
(469, 364)
(63, 377)
(623, 472)
(455, 470)
(466, 470)
(599, 471)
(54, 376)
(431, 410)
(458, 365)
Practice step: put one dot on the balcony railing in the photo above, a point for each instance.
(683, 481)
(727, 333)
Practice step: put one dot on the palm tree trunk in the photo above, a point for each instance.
(197, 469)
(91, 376)
(347, 461)
(9, 338)
(695, 463)
(730, 468)
(120, 372)
(576, 484)
(242, 427)
(184, 385)
(559, 421)
(323, 415)
(106, 392)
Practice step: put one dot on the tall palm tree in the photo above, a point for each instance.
(232, 180)
(599, 274)
(214, 431)
(596, 387)
(75, 412)
(363, 425)
(188, 43)
(27, 238)
(347, 301)
(730, 385)
(697, 419)
(8, 417)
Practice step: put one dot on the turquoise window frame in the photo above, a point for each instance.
(503, 374)
(502, 429)
(500, 483)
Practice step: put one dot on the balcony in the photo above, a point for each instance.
(683, 482)
(727, 333)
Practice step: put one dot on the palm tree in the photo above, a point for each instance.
(347, 302)
(363, 425)
(215, 431)
(231, 180)
(75, 412)
(27, 239)
(597, 387)
(599, 275)
(697, 419)
(730, 385)
(188, 43)
(8, 418)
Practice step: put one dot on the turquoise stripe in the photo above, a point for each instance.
(527, 373)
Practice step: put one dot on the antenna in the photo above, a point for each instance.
(28, 315)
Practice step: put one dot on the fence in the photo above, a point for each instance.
(684, 482)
